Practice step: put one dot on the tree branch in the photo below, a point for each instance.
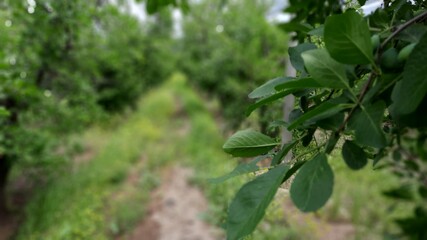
(403, 27)
(372, 77)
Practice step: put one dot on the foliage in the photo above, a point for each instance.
(98, 202)
(64, 67)
(227, 52)
(249, 206)
(86, 202)
(307, 14)
(37, 88)
(153, 6)
(361, 90)
(248, 143)
(365, 101)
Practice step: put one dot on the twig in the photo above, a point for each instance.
(359, 100)
(330, 95)
(403, 27)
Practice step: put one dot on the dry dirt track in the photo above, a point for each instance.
(176, 208)
(175, 211)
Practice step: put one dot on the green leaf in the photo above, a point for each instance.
(185, 6)
(154, 6)
(413, 33)
(325, 70)
(366, 124)
(248, 207)
(295, 55)
(268, 100)
(268, 88)
(313, 184)
(282, 153)
(240, 170)
(295, 114)
(277, 123)
(248, 143)
(319, 31)
(347, 38)
(293, 170)
(361, 2)
(353, 155)
(404, 192)
(414, 226)
(324, 110)
(378, 157)
(284, 88)
(293, 26)
(332, 142)
(331, 123)
(4, 112)
(298, 83)
(306, 140)
(410, 91)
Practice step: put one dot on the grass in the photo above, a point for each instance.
(76, 205)
(358, 199)
(109, 194)
(99, 201)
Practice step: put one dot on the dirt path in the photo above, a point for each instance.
(20, 191)
(175, 211)
(8, 224)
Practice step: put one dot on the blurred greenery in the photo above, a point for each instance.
(92, 98)
(67, 65)
(88, 202)
(228, 52)
(97, 201)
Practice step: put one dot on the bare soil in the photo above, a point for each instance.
(19, 192)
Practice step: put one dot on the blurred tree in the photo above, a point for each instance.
(119, 59)
(62, 64)
(159, 50)
(228, 51)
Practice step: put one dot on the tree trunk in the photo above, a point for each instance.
(5, 159)
(5, 167)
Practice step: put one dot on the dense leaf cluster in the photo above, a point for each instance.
(361, 89)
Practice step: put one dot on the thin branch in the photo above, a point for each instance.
(330, 95)
(403, 27)
(372, 77)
